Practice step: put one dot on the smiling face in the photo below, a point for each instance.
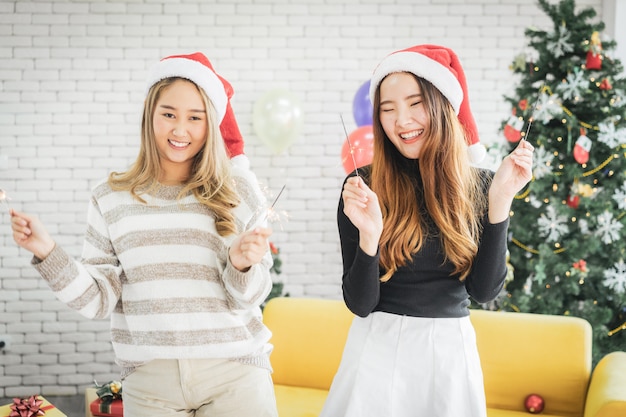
(402, 113)
(180, 129)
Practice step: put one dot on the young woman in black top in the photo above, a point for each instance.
(421, 230)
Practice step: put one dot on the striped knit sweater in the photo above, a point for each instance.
(162, 273)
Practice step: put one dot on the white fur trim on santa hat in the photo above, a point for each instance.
(240, 161)
(422, 66)
(196, 72)
(477, 153)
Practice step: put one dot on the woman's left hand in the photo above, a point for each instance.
(514, 173)
(249, 248)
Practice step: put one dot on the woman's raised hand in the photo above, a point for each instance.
(249, 248)
(515, 171)
(360, 205)
(30, 234)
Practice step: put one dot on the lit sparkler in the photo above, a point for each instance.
(4, 199)
(350, 145)
(270, 215)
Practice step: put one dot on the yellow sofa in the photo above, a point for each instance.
(520, 353)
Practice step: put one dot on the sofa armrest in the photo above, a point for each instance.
(606, 396)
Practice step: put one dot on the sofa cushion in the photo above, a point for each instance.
(494, 412)
(308, 342)
(299, 402)
(525, 353)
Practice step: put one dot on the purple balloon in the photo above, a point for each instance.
(362, 106)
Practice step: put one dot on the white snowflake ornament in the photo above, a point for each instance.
(560, 44)
(548, 108)
(552, 226)
(615, 277)
(610, 135)
(543, 162)
(574, 86)
(608, 228)
(619, 195)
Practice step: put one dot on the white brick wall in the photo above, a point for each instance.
(71, 91)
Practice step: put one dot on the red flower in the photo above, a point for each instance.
(605, 84)
(273, 249)
(523, 104)
(581, 265)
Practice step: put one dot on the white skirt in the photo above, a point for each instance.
(400, 366)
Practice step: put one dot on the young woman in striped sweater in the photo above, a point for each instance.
(175, 255)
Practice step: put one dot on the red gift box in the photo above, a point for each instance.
(113, 408)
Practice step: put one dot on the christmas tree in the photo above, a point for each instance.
(567, 236)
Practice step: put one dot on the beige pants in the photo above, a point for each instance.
(200, 388)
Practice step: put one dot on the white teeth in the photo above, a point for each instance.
(412, 135)
(178, 144)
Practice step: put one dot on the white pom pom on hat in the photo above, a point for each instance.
(441, 67)
(197, 68)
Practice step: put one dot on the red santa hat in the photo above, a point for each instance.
(197, 68)
(441, 67)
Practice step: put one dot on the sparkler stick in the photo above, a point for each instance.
(270, 210)
(350, 145)
(532, 114)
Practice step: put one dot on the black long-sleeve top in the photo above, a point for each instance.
(425, 287)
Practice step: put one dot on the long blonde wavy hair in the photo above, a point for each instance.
(210, 179)
(452, 189)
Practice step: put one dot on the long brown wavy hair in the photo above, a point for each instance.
(452, 189)
(210, 180)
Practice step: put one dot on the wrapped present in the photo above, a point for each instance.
(33, 406)
(114, 408)
(109, 401)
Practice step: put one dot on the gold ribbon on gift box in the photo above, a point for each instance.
(110, 391)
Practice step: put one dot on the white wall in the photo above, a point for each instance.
(614, 14)
(71, 90)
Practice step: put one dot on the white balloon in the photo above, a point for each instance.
(277, 119)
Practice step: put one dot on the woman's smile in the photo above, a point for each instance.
(177, 144)
(412, 136)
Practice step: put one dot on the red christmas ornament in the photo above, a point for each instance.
(573, 201)
(605, 84)
(513, 128)
(582, 147)
(534, 404)
(523, 104)
(594, 54)
(594, 62)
